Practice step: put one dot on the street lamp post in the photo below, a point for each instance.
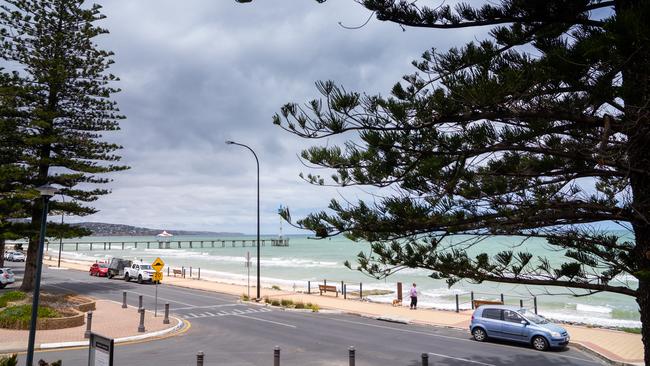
(259, 296)
(46, 193)
(61, 237)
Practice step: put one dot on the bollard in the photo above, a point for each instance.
(167, 271)
(199, 273)
(199, 358)
(140, 302)
(89, 324)
(351, 355)
(166, 319)
(425, 359)
(345, 292)
(309, 287)
(535, 303)
(521, 303)
(190, 271)
(141, 326)
(502, 299)
(457, 305)
(342, 285)
(471, 299)
(361, 290)
(276, 356)
(124, 306)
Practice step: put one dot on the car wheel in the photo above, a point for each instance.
(126, 277)
(109, 276)
(479, 334)
(540, 343)
(140, 279)
(2, 285)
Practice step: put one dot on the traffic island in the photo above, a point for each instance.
(109, 319)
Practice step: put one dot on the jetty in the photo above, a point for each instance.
(171, 244)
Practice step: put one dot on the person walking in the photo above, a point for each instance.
(414, 297)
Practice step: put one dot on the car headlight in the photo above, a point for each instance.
(556, 335)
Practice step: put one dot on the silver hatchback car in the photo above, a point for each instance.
(6, 277)
(517, 324)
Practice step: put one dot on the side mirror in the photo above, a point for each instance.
(523, 322)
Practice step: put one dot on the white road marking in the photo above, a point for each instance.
(206, 306)
(461, 359)
(264, 320)
(193, 315)
(455, 338)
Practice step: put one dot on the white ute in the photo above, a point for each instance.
(139, 271)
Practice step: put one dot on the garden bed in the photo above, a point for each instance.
(55, 311)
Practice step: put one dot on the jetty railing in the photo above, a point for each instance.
(172, 244)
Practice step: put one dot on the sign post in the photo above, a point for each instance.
(100, 350)
(157, 277)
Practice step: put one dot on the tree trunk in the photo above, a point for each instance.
(32, 249)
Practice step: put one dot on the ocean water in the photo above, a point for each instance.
(317, 260)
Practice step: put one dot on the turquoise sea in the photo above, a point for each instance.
(317, 260)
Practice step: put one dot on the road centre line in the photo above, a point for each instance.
(264, 320)
(456, 338)
(461, 359)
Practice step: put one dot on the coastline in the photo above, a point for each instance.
(376, 296)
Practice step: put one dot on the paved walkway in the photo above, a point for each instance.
(109, 319)
(615, 345)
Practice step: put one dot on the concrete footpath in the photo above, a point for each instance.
(615, 346)
(109, 320)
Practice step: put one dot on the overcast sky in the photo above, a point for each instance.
(196, 73)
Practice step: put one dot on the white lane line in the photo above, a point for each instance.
(457, 339)
(209, 313)
(192, 315)
(461, 359)
(264, 320)
(222, 313)
(207, 306)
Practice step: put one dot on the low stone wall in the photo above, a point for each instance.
(84, 304)
(71, 321)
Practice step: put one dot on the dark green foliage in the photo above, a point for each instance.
(54, 109)
(9, 361)
(540, 131)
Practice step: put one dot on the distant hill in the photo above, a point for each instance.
(104, 229)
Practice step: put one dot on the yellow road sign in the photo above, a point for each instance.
(157, 277)
(158, 264)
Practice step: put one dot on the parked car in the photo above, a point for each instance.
(117, 266)
(517, 324)
(99, 270)
(6, 277)
(142, 272)
(16, 257)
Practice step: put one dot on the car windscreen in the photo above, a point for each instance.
(103, 265)
(145, 266)
(532, 317)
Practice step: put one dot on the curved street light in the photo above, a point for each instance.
(259, 296)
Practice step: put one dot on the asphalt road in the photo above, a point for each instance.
(230, 333)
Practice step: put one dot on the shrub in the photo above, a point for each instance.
(245, 297)
(9, 361)
(314, 308)
(19, 316)
(275, 287)
(299, 305)
(11, 296)
(275, 303)
(286, 302)
(267, 300)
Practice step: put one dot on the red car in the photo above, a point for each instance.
(99, 269)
